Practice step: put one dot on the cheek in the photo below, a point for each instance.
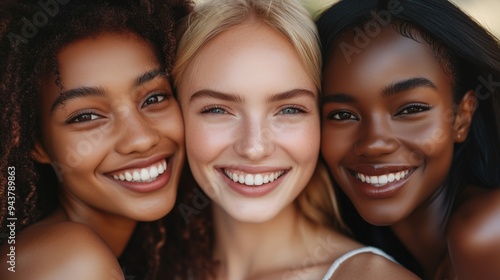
(302, 142)
(173, 127)
(429, 141)
(75, 158)
(333, 144)
(204, 142)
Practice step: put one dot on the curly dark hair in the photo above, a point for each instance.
(31, 34)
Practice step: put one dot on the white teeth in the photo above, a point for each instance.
(148, 174)
(266, 179)
(128, 176)
(249, 180)
(258, 180)
(136, 176)
(145, 175)
(382, 180)
(153, 172)
(253, 179)
(391, 177)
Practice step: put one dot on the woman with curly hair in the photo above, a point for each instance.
(248, 79)
(92, 138)
(411, 132)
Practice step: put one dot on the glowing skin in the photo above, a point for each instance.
(251, 121)
(388, 126)
(118, 141)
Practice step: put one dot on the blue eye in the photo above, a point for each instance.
(342, 116)
(291, 111)
(213, 110)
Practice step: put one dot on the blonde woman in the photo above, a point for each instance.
(248, 76)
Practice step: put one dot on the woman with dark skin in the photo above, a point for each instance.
(94, 140)
(411, 132)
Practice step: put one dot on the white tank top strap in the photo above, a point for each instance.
(354, 252)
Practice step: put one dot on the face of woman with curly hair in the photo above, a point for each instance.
(114, 135)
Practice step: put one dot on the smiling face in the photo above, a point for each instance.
(388, 125)
(115, 135)
(251, 120)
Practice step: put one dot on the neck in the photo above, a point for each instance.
(115, 230)
(247, 250)
(423, 234)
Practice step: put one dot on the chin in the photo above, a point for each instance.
(258, 216)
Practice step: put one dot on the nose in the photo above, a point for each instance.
(376, 138)
(254, 140)
(136, 134)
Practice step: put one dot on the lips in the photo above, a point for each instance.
(380, 181)
(253, 179)
(141, 175)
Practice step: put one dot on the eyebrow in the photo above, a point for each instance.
(148, 76)
(100, 92)
(291, 94)
(238, 99)
(407, 85)
(396, 88)
(205, 93)
(76, 93)
(337, 98)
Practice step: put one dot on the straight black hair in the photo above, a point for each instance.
(470, 54)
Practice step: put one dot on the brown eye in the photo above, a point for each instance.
(414, 109)
(83, 117)
(153, 99)
(342, 116)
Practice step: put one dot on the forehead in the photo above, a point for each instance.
(381, 59)
(252, 56)
(95, 56)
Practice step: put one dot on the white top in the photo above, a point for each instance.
(354, 252)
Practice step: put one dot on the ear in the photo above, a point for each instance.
(463, 118)
(39, 154)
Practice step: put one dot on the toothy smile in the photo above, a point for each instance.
(253, 179)
(141, 175)
(382, 180)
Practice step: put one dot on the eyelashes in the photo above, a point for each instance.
(83, 117)
(414, 108)
(153, 102)
(285, 110)
(406, 111)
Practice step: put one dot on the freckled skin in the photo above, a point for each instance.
(253, 132)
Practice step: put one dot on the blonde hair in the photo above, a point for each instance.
(317, 201)
(288, 17)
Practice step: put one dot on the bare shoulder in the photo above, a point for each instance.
(371, 266)
(65, 250)
(474, 236)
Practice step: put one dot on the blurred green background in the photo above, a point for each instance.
(486, 12)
